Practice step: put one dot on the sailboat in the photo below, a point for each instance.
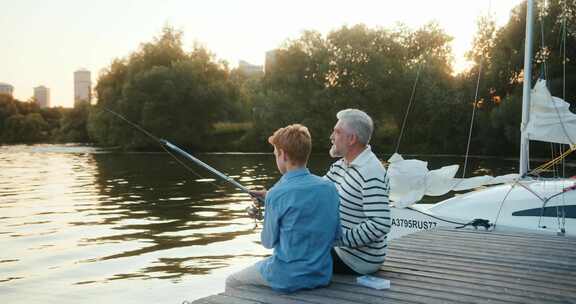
(514, 202)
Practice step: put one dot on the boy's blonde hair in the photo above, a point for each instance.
(295, 141)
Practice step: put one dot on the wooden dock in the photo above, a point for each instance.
(449, 266)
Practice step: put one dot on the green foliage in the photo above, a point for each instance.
(22, 122)
(371, 69)
(170, 92)
(73, 125)
(500, 53)
(27, 128)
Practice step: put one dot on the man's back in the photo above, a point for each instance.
(365, 215)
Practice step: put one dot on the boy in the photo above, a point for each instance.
(301, 221)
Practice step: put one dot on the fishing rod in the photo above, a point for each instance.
(253, 211)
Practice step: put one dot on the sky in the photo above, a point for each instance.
(44, 42)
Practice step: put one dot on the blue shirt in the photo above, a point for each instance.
(301, 223)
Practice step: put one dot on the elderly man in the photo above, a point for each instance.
(363, 188)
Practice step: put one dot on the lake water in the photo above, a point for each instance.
(84, 225)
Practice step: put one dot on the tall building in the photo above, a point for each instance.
(250, 69)
(270, 61)
(82, 87)
(42, 96)
(6, 89)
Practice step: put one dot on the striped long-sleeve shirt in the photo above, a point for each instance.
(364, 188)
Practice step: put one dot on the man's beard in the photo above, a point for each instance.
(335, 153)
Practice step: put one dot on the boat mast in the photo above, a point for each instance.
(524, 141)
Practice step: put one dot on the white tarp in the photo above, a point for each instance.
(550, 117)
(410, 180)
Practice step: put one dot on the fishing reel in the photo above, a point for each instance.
(255, 212)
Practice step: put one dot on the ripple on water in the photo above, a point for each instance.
(79, 221)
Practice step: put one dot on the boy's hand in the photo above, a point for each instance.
(254, 212)
(258, 196)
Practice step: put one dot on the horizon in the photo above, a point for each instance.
(89, 35)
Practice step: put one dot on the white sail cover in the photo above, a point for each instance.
(550, 117)
(410, 180)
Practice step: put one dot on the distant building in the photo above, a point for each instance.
(82, 87)
(42, 96)
(250, 69)
(6, 89)
(270, 61)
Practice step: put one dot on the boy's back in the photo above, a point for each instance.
(301, 223)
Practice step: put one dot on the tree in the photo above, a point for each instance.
(27, 128)
(25, 122)
(372, 69)
(170, 92)
(73, 125)
(501, 52)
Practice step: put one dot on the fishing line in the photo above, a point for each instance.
(160, 142)
(252, 211)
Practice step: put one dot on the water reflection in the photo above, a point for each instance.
(157, 205)
(81, 218)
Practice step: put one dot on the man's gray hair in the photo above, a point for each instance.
(357, 122)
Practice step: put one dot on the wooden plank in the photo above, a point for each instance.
(449, 266)
(435, 295)
(507, 268)
(382, 296)
(535, 247)
(536, 243)
(565, 264)
(508, 288)
(528, 282)
(347, 283)
(262, 295)
(224, 299)
(507, 234)
(532, 277)
(522, 238)
(493, 261)
(481, 291)
(521, 262)
(484, 247)
(354, 294)
(480, 280)
(303, 296)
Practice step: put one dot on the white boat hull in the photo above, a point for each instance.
(533, 206)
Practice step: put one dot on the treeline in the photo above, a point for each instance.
(191, 98)
(25, 122)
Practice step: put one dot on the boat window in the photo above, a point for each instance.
(553, 211)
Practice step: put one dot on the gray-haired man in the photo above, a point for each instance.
(363, 188)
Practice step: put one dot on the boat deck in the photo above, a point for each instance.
(450, 266)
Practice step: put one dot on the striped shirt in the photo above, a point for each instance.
(363, 187)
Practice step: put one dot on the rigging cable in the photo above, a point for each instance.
(563, 54)
(502, 203)
(409, 106)
(474, 105)
(555, 159)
